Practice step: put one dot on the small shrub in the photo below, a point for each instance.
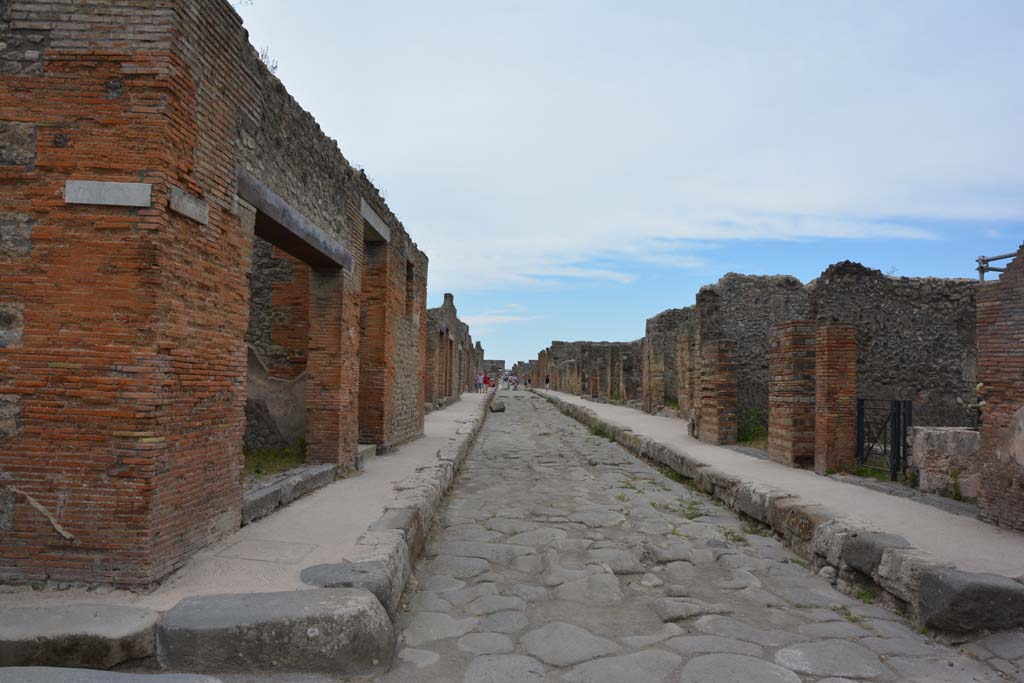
(752, 427)
(954, 479)
(867, 595)
(735, 537)
(693, 510)
(261, 462)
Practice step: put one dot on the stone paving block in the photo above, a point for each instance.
(82, 635)
(338, 630)
(734, 668)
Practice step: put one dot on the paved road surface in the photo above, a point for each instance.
(560, 557)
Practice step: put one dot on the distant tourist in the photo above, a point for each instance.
(547, 381)
(479, 382)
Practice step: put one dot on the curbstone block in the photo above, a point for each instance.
(371, 575)
(953, 600)
(342, 631)
(79, 635)
(48, 674)
(863, 549)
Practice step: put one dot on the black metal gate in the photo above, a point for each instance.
(882, 427)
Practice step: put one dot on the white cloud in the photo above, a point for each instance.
(523, 152)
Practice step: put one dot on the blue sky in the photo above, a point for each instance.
(572, 168)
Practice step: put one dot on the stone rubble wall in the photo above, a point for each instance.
(661, 372)
(947, 461)
(916, 338)
(742, 309)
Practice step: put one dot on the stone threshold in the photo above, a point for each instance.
(284, 488)
(343, 623)
(935, 596)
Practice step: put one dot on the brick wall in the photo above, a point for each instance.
(835, 424)
(122, 329)
(791, 393)
(452, 357)
(120, 350)
(1001, 374)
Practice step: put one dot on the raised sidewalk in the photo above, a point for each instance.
(340, 555)
(949, 572)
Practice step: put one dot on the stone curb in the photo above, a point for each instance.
(342, 631)
(262, 501)
(384, 555)
(932, 594)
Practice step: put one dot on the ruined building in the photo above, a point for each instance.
(606, 371)
(452, 360)
(188, 263)
(769, 354)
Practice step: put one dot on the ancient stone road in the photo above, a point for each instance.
(560, 557)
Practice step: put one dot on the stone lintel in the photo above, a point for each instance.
(376, 230)
(107, 193)
(189, 206)
(284, 227)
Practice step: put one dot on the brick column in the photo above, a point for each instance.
(718, 401)
(835, 416)
(791, 393)
(375, 347)
(328, 425)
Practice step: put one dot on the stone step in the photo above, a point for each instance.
(343, 631)
(282, 490)
(83, 635)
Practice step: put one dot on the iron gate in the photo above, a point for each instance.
(882, 427)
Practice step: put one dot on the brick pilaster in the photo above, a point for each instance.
(791, 389)
(835, 423)
(718, 387)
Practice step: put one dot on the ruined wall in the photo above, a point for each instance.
(947, 461)
(126, 378)
(1001, 374)
(916, 337)
(83, 429)
(452, 357)
(494, 368)
(660, 368)
(630, 376)
(742, 309)
(392, 329)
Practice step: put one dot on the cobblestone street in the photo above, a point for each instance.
(560, 557)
